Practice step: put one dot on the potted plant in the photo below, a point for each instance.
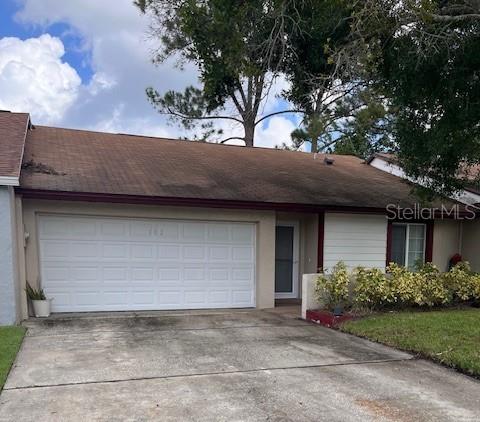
(41, 305)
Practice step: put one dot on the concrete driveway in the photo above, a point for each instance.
(222, 366)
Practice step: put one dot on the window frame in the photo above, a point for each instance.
(407, 241)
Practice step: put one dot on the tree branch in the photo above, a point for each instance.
(232, 138)
(276, 113)
(185, 117)
(455, 18)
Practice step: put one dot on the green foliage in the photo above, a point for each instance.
(34, 294)
(342, 112)
(426, 57)
(399, 287)
(462, 282)
(431, 287)
(373, 289)
(333, 289)
(234, 45)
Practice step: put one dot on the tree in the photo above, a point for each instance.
(342, 110)
(237, 46)
(426, 56)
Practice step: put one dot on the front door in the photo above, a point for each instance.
(286, 261)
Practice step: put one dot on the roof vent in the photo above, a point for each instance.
(328, 161)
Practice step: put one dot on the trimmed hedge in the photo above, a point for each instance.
(398, 287)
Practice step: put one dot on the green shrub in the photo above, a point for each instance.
(372, 289)
(333, 290)
(462, 282)
(432, 289)
(405, 285)
(399, 287)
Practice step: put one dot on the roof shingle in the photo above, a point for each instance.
(91, 162)
(13, 127)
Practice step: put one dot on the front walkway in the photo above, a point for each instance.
(222, 366)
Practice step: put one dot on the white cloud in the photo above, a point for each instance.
(34, 78)
(118, 51)
(113, 34)
(274, 131)
(137, 126)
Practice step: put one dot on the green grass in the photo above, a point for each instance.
(451, 337)
(10, 341)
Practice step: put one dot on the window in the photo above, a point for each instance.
(408, 244)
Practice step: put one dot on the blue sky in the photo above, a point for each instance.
(10, 27)
(86, 64)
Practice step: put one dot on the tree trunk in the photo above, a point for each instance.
(249, 128)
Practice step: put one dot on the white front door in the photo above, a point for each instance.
(118, 264)
(286, 260)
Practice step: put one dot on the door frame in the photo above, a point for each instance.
(294, 294)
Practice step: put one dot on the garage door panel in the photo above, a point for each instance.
(218, 253)
(98, 263)
(173, 274)
(241, 297)
(114, 273)
(240, 234)
(169, 298)
(146, 273)
(116, 297)
(172, 252)
(83, 249)
(143, 251)
(113, 229)
(115, 250)
(62, 301)
(218, 233)
(242, 254)
(55, 249)
(193, 252)
(193, 232)
(167, 231)
(85, 273)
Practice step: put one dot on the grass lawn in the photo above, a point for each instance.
(10, 341)
(451, 337)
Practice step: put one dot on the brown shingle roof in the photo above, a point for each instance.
(13, 127)
(91, 162)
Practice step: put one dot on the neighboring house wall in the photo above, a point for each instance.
(446, 242)
(265, 220)
(358, 240)
(471, 243)
(9, 291)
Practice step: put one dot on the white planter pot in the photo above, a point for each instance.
(41, 308)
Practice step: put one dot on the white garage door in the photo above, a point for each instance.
(110, 264)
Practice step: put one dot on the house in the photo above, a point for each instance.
(113, 222)
(388, 162)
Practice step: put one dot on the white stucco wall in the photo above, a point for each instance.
(356, 239)
(8, 277)
(471, 243)
(446, 242)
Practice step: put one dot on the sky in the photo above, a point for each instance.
(85, 64)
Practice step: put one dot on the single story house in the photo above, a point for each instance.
(114, 222)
